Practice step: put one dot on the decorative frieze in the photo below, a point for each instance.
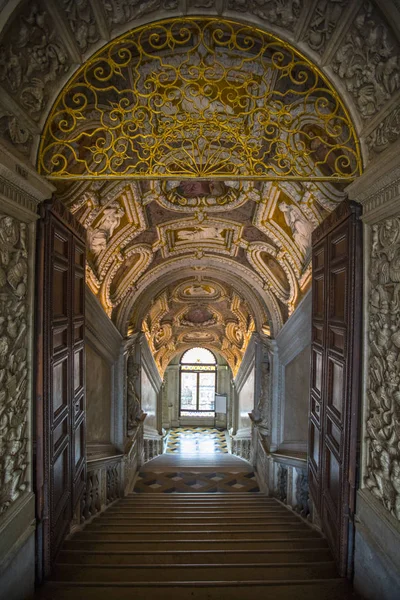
(14, 342)
(382, 474)
(323, 23)
(17, 195)
(282, 13)
(123, 11)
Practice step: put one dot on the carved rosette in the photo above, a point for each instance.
(382, 476)
(13, 361)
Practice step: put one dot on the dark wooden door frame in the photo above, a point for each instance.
(336, 377)
(59, 441)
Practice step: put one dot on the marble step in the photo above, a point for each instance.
(201, 534)
(188, 572)
(194, 557)
(327, 589)
(193, 522)
(211, 544)
(188, 512)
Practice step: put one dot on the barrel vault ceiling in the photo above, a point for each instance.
(196, 261)
(199, 262)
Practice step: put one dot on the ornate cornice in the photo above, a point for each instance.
(18, 195)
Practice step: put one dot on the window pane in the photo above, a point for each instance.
(189, 391)
(198, 355)
(206, 391)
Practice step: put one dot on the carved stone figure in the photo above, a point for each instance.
(99, 236)
(301, 228)
(35, 58)
(387, 132)
(12, 129)
(302, 495)
(264, 403)
(82, 22)
(383, 387)
(134, 409)
(13, 361)
(281, 484)
(111, 219)
(368, 61)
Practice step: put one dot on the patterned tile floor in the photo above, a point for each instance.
(194, 482)
(193, 440)
(197, 445)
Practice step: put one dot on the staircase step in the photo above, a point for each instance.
(172, 544)
(193, 557)
(188, 572)
(281, 533)
(193, 522)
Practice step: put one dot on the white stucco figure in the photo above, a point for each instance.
(301, 228)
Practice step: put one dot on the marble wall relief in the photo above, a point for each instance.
(382, 476)
(368, 61)
(14, 433)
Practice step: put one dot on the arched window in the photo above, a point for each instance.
(197, 382)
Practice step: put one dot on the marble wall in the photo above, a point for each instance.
(149, 395)
(292, 381)
(98, 397)
(297, 389)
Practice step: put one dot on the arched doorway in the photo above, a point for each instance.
(270, 253)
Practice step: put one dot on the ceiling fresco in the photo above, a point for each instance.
(155, 244)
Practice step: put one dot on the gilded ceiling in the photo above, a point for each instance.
(199, 261)
(213, 143)
(203, 98)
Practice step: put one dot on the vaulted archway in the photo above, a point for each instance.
(199, 207)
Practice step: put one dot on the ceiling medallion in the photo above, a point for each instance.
(204, 99)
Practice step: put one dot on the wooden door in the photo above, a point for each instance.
(60, 386)
(335, 376)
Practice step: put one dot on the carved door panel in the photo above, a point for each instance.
(60, 414)
(335, 376)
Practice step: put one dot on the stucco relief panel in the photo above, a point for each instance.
(34, 60)
(368, 61)
(382, 476)
(14, 392)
